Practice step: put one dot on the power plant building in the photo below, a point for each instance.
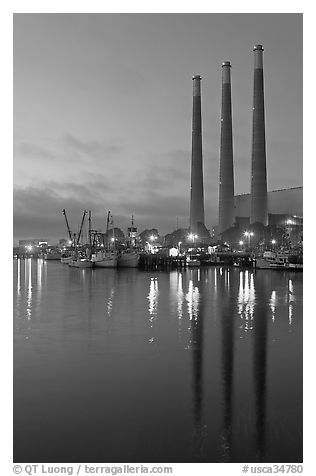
(280, 203)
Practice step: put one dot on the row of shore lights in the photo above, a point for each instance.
(249, 234)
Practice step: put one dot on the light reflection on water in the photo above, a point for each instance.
(213, 387)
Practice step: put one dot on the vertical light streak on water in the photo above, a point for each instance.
(246, 299)
(290, 314)
(180, 297)
(177, 297)
(252, 296)
(29, 291)
(240, 292)
(273, 301)
(291, 287)
(291, 299)
(109, 303)
(215, 279)
(39, 276)
(179, 302)
(18, 284)
(193, 299)
(153, 302)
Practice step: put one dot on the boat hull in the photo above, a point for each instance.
(104, 260)
(193, 263)
(80, 264)
(66, 259)
(106, 263)
(52, 256)
(128, 260)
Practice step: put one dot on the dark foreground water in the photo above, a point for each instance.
(132, 366)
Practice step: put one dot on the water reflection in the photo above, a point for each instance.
(260, 362)
(109, 303)
(29, 290)
(246, 299)
(153, 300)
(153, 305)
(193, 299)
(18, 281)
(226, 317)
(195, 304)
(210, 388)
(291, 300)
(273, 304)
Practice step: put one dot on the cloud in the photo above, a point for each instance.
(34, 151)
(91, 149)
(156, 193)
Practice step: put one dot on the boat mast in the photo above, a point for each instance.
(89, 219)
(68, 228)
(113, 233)
(107, 230)
(83, 217)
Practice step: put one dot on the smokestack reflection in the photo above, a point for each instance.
(260, 330)
(228, 295)
(195, 301)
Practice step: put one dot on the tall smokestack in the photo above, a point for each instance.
(197, 192)
(258, 160)
(226, 174)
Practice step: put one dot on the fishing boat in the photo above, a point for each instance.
(81, 259)
(193, 262)
(296, 262)
(52, 255)
(65, 259)
(81, 263)
(128, 258)
(272, 260)
(104, 259)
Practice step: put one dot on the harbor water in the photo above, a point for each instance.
(124, 365)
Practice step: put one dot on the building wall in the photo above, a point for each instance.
(280, 202)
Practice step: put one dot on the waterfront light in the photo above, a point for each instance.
(152, 238)
(249, 234)
(241, 242)
(192, 237)
(273, 242)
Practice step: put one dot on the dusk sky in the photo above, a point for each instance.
(103, 110)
